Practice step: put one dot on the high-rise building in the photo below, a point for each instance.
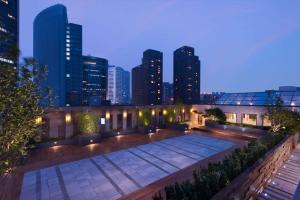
(9, 30)
(118, 85)
(94, 80)
(167, 93)
(58, 45)
(186, 76)
(74, 70)
(147, 79)
(49, 48)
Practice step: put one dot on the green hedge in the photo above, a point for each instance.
(209, 181)
(88, 123)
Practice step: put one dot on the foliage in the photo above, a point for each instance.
(208, 181)
(145, 117)
(216, 114)
(19, 110)
(283, 119)
(171, 115)
(88, 123)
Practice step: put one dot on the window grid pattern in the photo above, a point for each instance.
(260, 98)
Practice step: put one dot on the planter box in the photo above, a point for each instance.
(251, 182)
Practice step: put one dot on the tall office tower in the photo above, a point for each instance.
(186, 76)
(147, 79)
(118, 86)
(167, 93)
(9, 30)
(74, 70)
(57, 44)
(94, 80)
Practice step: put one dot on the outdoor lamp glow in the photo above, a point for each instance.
(124, 114)
(107, 115)
(153, 112)
(165, 112)
(38, 120)
(140, 114)
(68, 118)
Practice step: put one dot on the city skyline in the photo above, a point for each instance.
(238, 40)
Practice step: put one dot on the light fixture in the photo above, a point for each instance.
(124, 114)
(183, 110)
(68, 118)
(140, 114)
(153, 112)
(165, 112)
(38, 120)
(91, 141)
(107, 115)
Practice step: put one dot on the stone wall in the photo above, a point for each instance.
(250, 183)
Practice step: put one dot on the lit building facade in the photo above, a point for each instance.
(94, 80)
(147, 79)
(58, 45)
(74, 70)
(9, 30)
(118, 85)
(186, 76)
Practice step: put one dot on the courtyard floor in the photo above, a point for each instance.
(115, 168)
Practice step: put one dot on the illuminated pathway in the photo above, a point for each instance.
(116, 174)
(283, 186)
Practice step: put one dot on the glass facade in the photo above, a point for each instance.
(118, 88)
(230, 117)
(49, 48)
(186, 76)
(289, 98)
(250, 119)
(94, 80)
(74, 70)
(9, 29)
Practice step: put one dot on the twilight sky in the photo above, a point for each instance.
(243, 45)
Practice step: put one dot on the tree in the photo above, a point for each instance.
(283, 119)
(20, 113)
(215, 114)
(88, 123)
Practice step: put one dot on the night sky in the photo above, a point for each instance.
(243, 45)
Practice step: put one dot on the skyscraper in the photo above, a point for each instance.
(74, 70)
(94, 80)
(147, 79)
(186, 76)
(49, 48)
(9, 29)
(118, 88)
(58, 45)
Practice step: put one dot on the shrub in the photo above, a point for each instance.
(145, 117)
(209, 181)
(88, 123)
(216, 114)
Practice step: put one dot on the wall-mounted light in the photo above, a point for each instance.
(153, 112)
(165, 112)
(293, 104)
(174, 111)
(182, 110)
(124, 114)
(140, 114)
(191, 110)
(107, 115)
(68, 118)
(38, 120)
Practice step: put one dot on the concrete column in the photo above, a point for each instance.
(107, 120)
(124, 127)
(259, 119)
(69, 125)
(239, 118)
(115, 120)
(134, 114)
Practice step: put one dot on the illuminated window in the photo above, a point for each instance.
(67, 53)
(231, 117)
(68, 75)
(68, 58)
(3, 29)
(249, 119)
(68, 49)
(67, 40)
(68, 45)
